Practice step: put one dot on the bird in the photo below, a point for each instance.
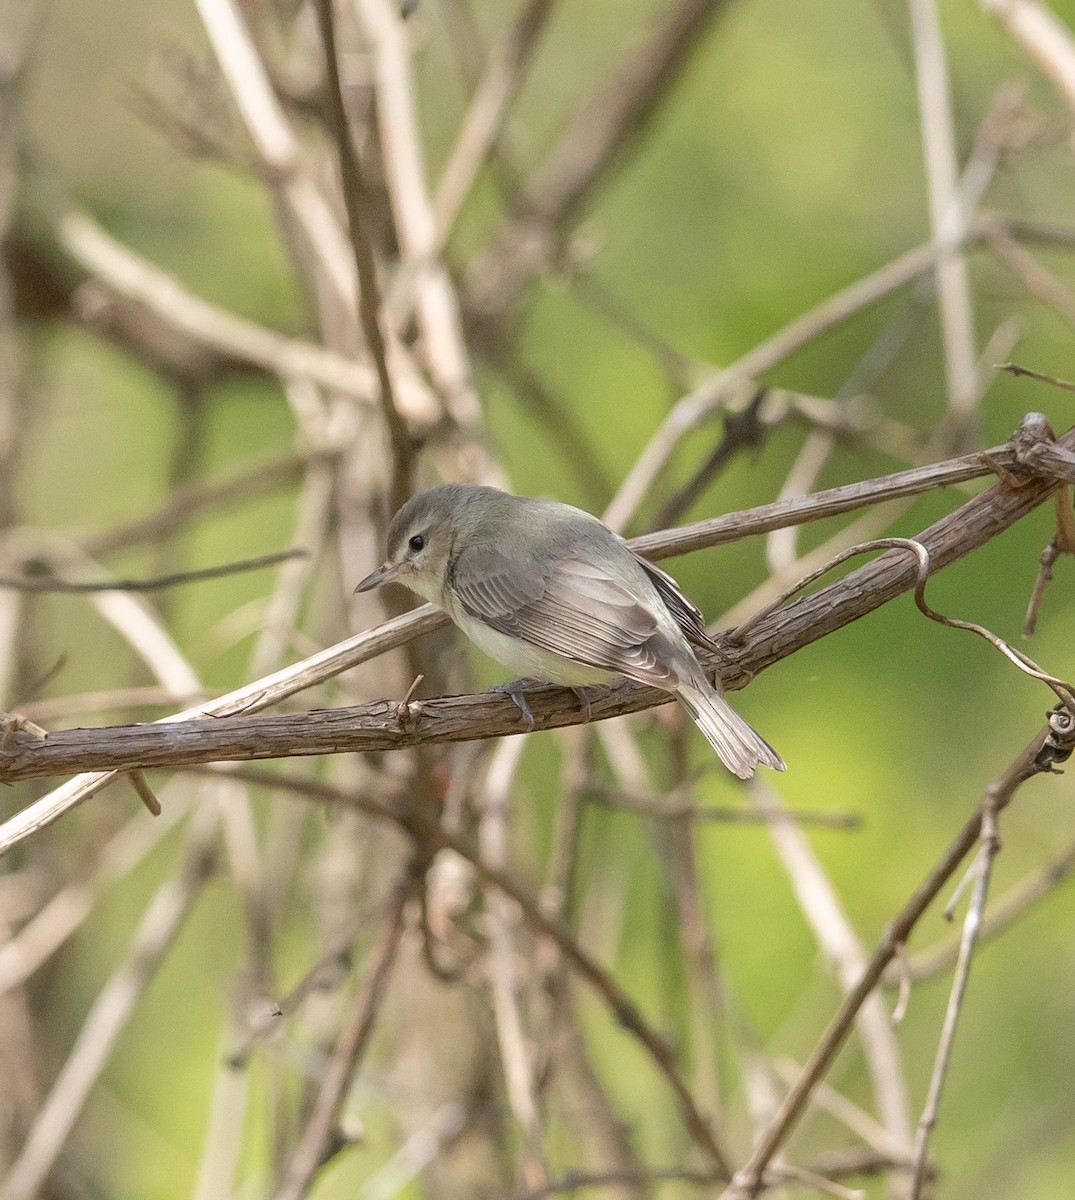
(552, 593)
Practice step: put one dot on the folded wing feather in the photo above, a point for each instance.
(566, 605)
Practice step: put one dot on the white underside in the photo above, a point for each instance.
(529, 661)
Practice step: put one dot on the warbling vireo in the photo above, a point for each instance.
(552, 593)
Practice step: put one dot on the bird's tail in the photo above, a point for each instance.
(739, 747)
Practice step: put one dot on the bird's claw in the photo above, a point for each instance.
(517, 687)
(516, 690)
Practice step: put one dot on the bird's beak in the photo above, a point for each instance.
(383, 574)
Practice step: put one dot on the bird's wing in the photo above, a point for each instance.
(567, 605)
(688, 616)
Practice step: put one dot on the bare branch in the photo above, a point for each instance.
(39, 583)
(277, 145)
(376, 726)
(842, 947)
(369, 304)
(63, 913)
(192, 500)
(972, 924)
(106, 1019)
(601, 134)
(129, 275)
(697, 406)
(947, 218)
(492, 100)
(1047, 40)
(315, 1145)
(502, 966)
(1003, 913)
(1035, 759)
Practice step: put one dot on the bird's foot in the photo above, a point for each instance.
(582, 695)
(587, 695)
(516, 690)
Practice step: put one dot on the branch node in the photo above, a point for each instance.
(15, 723)
(407, 710)
(1060, 740)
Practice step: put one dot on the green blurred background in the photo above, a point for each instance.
(786, 164)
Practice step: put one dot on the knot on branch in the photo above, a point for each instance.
(11, 725)
(1036, 453)
(1060, 742)
(1034, 430)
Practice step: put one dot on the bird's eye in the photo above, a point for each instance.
(417, 543)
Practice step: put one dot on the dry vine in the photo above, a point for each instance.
(419, 886)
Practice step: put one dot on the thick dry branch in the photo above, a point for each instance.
(386, 725)
(219, 331)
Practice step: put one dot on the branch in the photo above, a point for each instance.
(278, 147)
(136, 279)
(48, 583)
(106, 1019)
(1052, 744)
(187, 502)
(315, 1144)
(1043, 36)
(488, 110)
(355, 196)
(947, 218)
(387, 725)
(601, 135)
(383, 725)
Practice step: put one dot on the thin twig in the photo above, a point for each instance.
(504, 74)
(145, 793)
(189, 501)
(1043, 35)
(106, 1019)
(1017, 370)
(224, 1127)
(369, 306)
(990, 844)
(316, 1141)
(667, 806)
(1004, 912)
(37, 583)
(430, 288)
(276, 143)
(503, 957)
(947, 218)
(749, 1179)
(617, 1001)
(58, 917)
(694, 408)
(1037, 280)
(849, 1114)
(602, 134)
(131, 276)
(842, 947)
